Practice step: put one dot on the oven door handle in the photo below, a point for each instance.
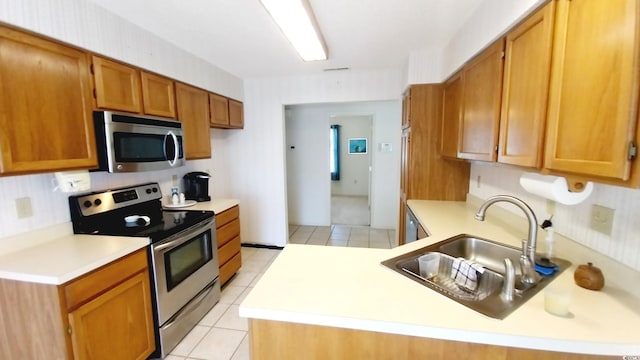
(193, 304)
(180, 238)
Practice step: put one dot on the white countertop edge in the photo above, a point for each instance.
(59, 279)
(527, 342)
(40, 279)
(99, 263)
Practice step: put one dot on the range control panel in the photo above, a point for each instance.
(103, 201)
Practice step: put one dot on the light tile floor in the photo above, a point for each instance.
(342, 235)
(222, 333)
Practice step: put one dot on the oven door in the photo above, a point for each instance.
(184, 264)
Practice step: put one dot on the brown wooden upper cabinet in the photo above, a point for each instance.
(225, 113)
(45, 106)
(193, 111)
(478, 133)
(593, 100)
(219, 109)
(158, 95)
(117, 86)
(127, 88)
(525, 89)
(452, 108)
(236, 114)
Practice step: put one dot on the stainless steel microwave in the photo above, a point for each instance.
(131, 142)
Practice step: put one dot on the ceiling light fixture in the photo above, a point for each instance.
(295, 19)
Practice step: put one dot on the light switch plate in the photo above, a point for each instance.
(602, 219)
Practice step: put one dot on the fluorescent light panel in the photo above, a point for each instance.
(298, 24)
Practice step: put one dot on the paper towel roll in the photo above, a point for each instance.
(554, 188)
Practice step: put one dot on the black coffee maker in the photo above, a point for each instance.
(196, 186)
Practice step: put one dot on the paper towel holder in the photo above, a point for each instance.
(576, 185)
(567, 191)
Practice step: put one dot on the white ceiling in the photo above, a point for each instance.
(240, 37)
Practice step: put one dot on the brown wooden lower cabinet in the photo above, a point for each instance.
(106, 314)
(284, 341)
(228, 239)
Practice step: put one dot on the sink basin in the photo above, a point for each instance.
(490, 254)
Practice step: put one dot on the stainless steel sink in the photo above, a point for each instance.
(490, 254)
(485, 252)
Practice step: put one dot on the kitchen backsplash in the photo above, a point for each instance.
(51, 207)
(571, 221)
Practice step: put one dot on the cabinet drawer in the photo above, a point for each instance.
(87, 287)
(227, 215)
(227, 270)
(228, 232)
(228, 250)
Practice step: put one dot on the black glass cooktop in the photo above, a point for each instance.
(158, 228)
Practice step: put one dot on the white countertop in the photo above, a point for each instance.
(55, 255)
(215, 205)
(349, 288)
(62, 259)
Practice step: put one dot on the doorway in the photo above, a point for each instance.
(351, 159)
(307, 163)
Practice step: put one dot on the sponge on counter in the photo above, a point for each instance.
(546, 267)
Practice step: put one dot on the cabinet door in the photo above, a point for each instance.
(236, 114)
(116, 325)
(593, 96)
(452, 115)
(117, 85)
(478, 137)
(219, 108)
(525, 89)
(193, 111)
(158, 96)
(46, 122)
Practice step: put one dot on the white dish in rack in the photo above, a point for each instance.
(185, 204)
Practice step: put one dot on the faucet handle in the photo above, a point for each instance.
(509, 284)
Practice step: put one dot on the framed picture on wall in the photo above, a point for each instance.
(358, 146)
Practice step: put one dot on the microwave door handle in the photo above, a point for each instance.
(175, 147)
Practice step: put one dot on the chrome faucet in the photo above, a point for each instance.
(527, 259)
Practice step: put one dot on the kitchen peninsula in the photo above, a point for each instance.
(329, 302)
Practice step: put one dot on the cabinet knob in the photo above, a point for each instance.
(69, 330)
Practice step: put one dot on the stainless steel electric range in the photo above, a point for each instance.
(182, 256)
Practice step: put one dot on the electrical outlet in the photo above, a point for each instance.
(602, 219)
(23, 207)
(478, 181)
(174, 180)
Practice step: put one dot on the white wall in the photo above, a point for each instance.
(308, 184)
(354, 168)
(86, 25)
(307, 153)
(261, 183)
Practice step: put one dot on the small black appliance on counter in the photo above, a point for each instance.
(196, 186)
